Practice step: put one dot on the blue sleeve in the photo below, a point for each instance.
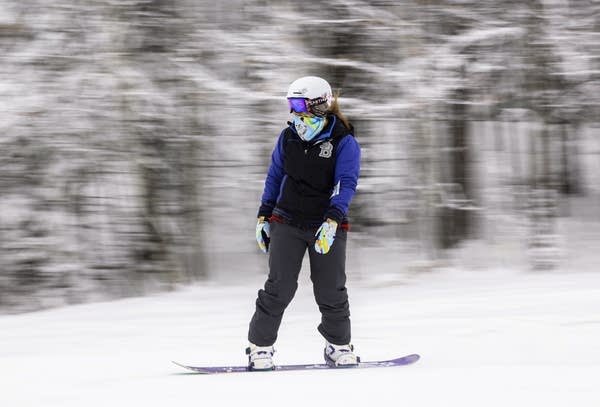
(347, 170)
(273, 180)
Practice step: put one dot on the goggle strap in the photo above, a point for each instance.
(316, 101)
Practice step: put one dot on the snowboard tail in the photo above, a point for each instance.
(401, 361)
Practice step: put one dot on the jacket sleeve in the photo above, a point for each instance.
(347, 170)
(273, 181)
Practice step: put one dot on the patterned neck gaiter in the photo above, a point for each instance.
(308, 127)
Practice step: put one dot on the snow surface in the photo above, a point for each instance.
(488, 338)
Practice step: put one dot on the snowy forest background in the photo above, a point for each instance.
(135, 135)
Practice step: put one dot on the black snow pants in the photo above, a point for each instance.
(327, 273)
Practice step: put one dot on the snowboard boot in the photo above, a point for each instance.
(260, 357)
(340, 355)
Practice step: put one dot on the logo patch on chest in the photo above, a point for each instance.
(326, 150)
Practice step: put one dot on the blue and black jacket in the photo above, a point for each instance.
(308, 182)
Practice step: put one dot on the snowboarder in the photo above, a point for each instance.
(309, 185)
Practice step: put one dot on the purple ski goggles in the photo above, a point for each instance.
(298, 105)
(316, 106)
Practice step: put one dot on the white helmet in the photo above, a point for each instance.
(315, 89)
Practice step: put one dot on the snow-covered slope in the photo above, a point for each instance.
(493, 338)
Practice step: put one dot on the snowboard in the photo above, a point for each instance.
(402, 361)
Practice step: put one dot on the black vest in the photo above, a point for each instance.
(309, 168)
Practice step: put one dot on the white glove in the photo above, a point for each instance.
(263, 236)
(325, 236)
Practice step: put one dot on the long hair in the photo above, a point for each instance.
(335, 109)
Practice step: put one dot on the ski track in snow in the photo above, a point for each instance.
(486, 338)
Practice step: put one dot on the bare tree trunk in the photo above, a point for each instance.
(455, 221)
(570, 183)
